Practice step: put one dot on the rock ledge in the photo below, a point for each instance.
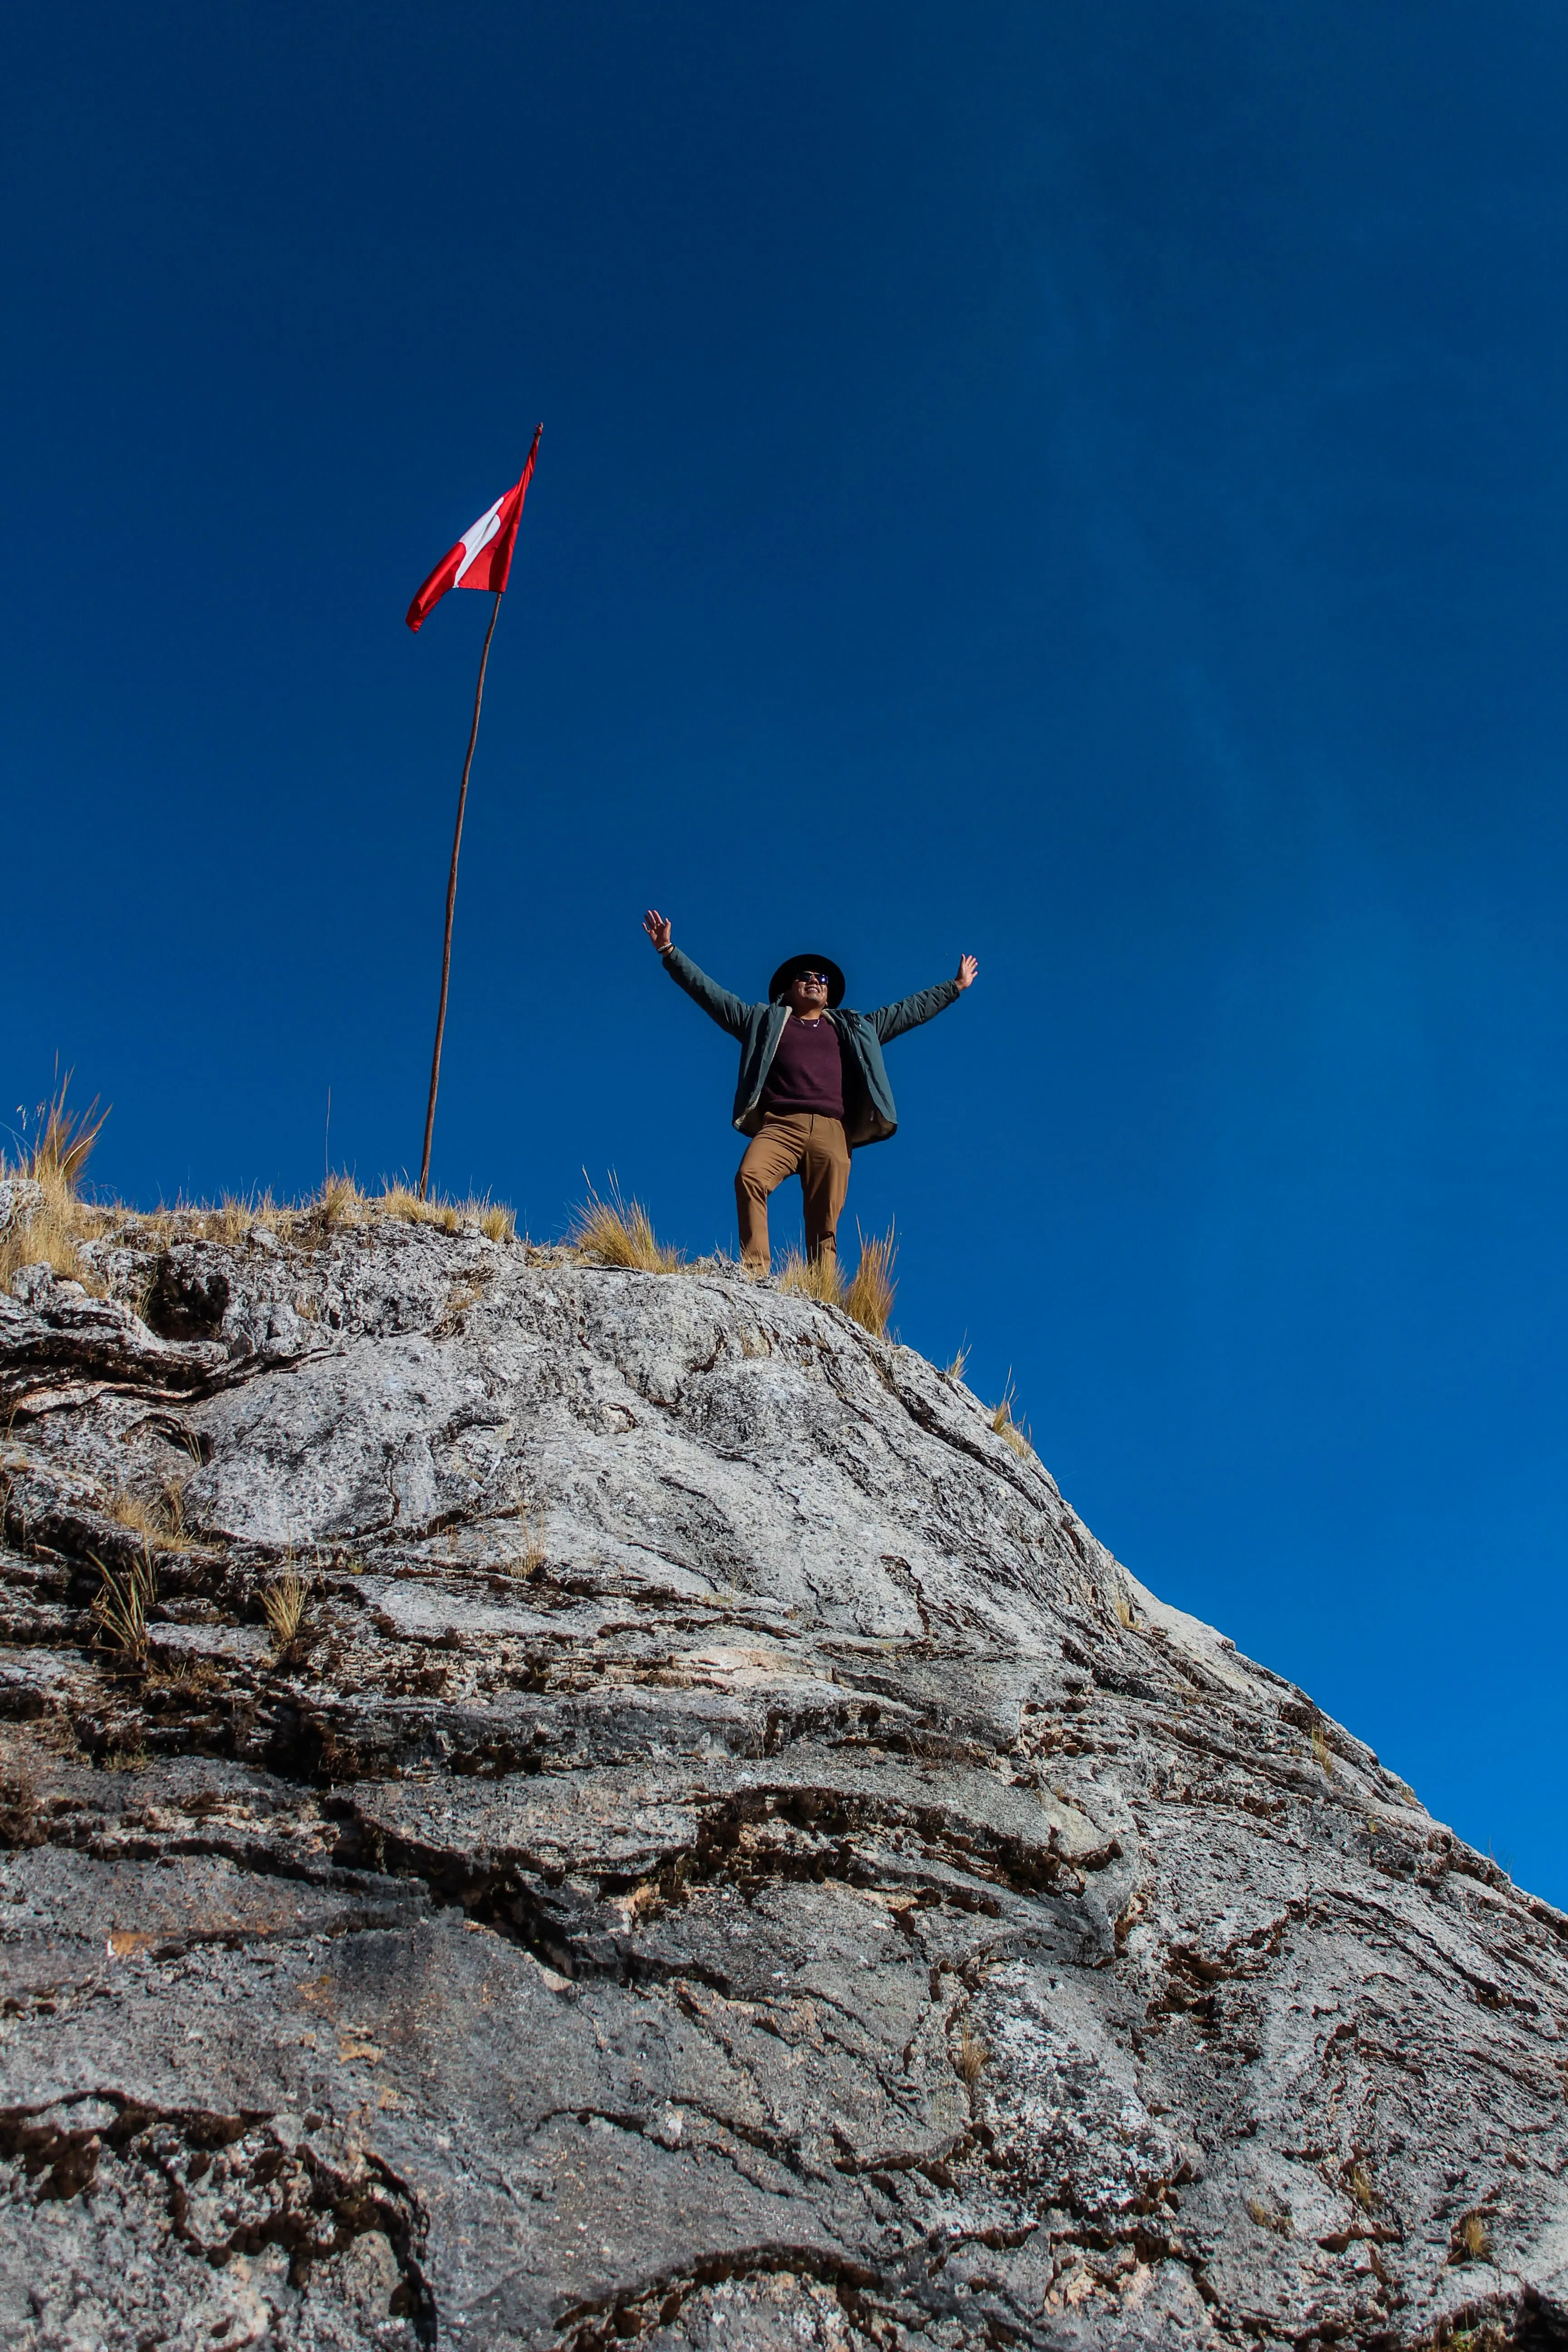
(725, 1857)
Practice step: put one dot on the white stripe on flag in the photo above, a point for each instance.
(478, 537)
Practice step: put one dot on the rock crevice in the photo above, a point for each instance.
(723, 1855)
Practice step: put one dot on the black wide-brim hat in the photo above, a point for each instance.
(786, 973)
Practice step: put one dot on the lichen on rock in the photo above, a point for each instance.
(722, 1856)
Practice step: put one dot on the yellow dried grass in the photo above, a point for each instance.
(284, 1605)
(868, 1295)
(1008, 1427)
(872, 1289)
(399, 1199)
(620, 1232)
(65, 1138)
(50, 1233)
(973, 2055)
(119, 1612)
(812, 1278)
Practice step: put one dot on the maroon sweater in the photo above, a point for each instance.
(807, 1071)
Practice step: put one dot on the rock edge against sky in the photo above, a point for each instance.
(727, 1859)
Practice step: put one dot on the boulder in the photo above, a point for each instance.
(631, 1810)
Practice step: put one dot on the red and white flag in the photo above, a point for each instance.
(482, 557)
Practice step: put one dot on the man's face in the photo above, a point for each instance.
(807, 992)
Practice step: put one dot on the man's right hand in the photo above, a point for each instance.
(657, 929)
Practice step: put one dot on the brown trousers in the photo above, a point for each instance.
(788, 1140)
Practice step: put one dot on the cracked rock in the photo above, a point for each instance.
(718, 1854)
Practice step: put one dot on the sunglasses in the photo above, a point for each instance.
(821, 976)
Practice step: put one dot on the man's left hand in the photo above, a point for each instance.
(967, 968)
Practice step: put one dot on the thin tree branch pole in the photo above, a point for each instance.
(451, 902)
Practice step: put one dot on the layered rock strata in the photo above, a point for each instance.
(724, 1857)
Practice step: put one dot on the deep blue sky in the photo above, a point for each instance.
(1084, 484)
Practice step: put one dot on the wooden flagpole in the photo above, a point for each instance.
(451, 902)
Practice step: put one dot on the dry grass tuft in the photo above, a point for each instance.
(236, 1216)
(1322, 1754)
(402, 1202)
(812, 1278)
(50, 1235)
(160, 1524)
(119, 1612)
(954, 1369)
(1008, 1427)
(1271, 2216)
(529, 1562)
(65, 1138)
(973, 2055)
(130, 1511)
(189, 1678)
(1472, 2239)
(340, 1201)
(399, 1199)
(620, 1232)
(1358, 2180)
(284, 1602)
(1124, 1608)
(868, 1299)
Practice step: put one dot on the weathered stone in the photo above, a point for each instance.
(19, 1196)
(725, 1857)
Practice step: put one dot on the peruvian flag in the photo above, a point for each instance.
(482, 557)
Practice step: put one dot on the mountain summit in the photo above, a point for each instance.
(548, 1805)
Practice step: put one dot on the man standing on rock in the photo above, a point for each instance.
(813, 1084)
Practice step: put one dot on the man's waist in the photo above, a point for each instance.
(783, 1098)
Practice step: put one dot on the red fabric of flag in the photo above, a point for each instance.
(482, 557)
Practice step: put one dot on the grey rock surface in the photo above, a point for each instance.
(726, 1857)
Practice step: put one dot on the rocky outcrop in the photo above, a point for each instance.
(723, 1858)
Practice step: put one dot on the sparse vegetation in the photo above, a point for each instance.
(191, 1678)
(340, 1201)
(121, 1609)
(1004, 1420)
(64, 1138)
(1124, 1608)
(868, 1299)
(1358, 2180)
(46, 1236)
(973, 2056)
(236, 1216)
(401, 1200)
(953, 1370)
(528, 1562)
(1322, 1754)
(162, 1524)
(1472, 2239)
(284, 1603)
(1271, 2216)
(50, 1233)
(617, 1232)
(812, 1278)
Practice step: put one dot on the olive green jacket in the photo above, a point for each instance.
(869, 1116)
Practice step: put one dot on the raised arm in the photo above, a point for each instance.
(716, 1002)
(892, 1020)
